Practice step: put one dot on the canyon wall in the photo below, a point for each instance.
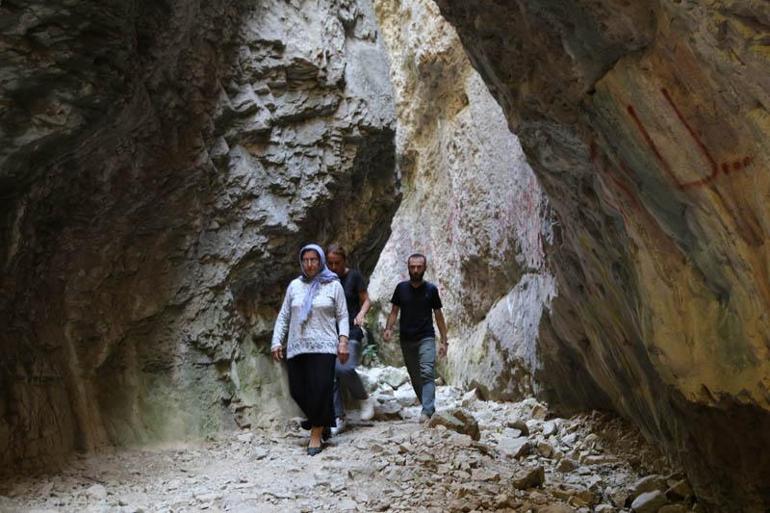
(471, 204)
(161, 164)
(647, 125)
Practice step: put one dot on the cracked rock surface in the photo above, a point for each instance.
(646, 123)
(160, 165)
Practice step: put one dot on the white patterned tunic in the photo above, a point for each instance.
(319, 333)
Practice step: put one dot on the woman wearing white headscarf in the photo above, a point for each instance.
(315, 317)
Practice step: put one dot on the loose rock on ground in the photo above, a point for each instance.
(470, 459)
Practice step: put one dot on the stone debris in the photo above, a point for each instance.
(529, 478)
(648, 484)
(458, 420)
(520, 425)
(246, 437)
(679, 491)
(97, 491)
(473, 456)
(649, 502)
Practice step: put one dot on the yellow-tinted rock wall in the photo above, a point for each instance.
(647, 124)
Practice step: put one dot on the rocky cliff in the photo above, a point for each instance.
(471, 204)
(647, 125)
(161, 163)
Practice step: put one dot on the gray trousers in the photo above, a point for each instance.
(348, 377)
(420, 361)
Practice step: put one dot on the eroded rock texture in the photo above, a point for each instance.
(161, 163)
(647, 124)
(471, 203)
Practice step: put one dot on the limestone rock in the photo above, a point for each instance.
(469, 398)
(649, 502)
(386, 409)
(550, 428)
(648, 484)
(490, 274)
(529, 478)
(545, 449)
(394, 376)
(679, 491)
(662, 195)
(520, 425)
(515, 447)
(97, 491)
(458, 420)
(405, 395)
(245, 437)
(566, 465)
(178, 155)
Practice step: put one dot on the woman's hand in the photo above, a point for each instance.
(342, 350)
(277, 354)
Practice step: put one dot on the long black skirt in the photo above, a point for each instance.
(311, 385)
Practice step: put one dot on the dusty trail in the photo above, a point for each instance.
(587, 463)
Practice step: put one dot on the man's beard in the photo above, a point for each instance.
(416, 277)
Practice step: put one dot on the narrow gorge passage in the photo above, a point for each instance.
(524, 460)
(587, 178)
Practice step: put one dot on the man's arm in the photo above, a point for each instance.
(442, 331)
(363, 296)
(390, 322)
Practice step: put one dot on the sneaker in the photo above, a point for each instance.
(367, 408)
(424, 418)
(339, 427)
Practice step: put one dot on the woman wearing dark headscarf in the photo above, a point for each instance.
(315, 317)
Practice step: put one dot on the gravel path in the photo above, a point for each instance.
(523, 461)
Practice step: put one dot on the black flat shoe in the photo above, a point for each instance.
(312, 451)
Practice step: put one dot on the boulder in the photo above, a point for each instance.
(515, 447)
(387, 408)
(679, 491)
(648, 484)
(566, 465)
(520, 425)
(458, 420)
(649, 502)
(529, 478)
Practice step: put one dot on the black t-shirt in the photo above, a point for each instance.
(353, 284)
(417, 305)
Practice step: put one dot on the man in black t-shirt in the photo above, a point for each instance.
(418, 301)
(358, 304)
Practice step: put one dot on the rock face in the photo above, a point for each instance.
(647, 124)
(160, 165)
(470, 203)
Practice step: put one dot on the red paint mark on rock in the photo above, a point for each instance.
(713, 172)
